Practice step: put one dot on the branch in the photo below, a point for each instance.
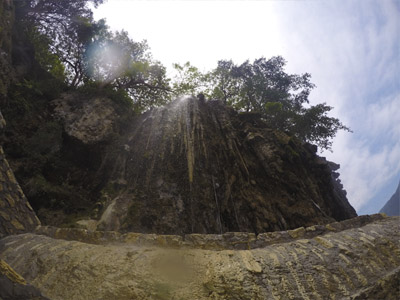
(142, 82)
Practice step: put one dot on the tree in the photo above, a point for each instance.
(313, 124)
(264, 87)
(118, 61)
(224, 86)
(68, 25)
(188, 80)
(88, 52)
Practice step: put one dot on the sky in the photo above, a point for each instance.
(350, 47)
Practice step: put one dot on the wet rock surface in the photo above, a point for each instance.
(200, 167)
(188, 167)
(350, 264)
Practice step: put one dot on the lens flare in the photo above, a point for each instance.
(106, 62)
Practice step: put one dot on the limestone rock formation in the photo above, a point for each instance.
(191, 166)
(354, 263)
(90, 120)
(195, 166)
(56, 150)
(188, 201)
(392, 207)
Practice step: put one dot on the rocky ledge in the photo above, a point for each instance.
(360, 262)
(225, 241)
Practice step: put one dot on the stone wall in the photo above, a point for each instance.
(229, 240)
(355, 263)
(16, 214)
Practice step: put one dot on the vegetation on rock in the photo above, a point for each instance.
(61, 53)
(73, 48)
(96, 141)
(264, 87)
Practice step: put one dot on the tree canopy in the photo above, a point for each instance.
(74, 48)
(264, 87)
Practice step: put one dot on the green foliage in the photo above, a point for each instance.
(264, 87)
(188, 80)
(20, 96)
(72, 47)
(119, 96)
(316, 126)
(118, 61)
(224, 86)
(114, 55)
(46, 139)
(46, 59)
(68, 27)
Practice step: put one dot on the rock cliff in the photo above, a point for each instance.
(191, 166)
(195, 166)
(188, 201)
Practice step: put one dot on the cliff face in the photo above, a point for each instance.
(191, 166)
(195, 166)
(164, 181)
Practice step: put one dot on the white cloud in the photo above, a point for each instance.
(372, 158)
(351, 48)
(352, 52)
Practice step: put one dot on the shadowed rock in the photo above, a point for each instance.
(16, 214)
(14, 287)
(200, 167)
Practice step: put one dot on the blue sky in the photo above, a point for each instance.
(351, 49)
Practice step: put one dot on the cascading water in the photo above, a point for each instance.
(196, 166)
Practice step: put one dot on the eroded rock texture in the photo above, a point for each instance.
(89, 120)
(16, 214)
(357, 263)
(195, 166)
(189, 167)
